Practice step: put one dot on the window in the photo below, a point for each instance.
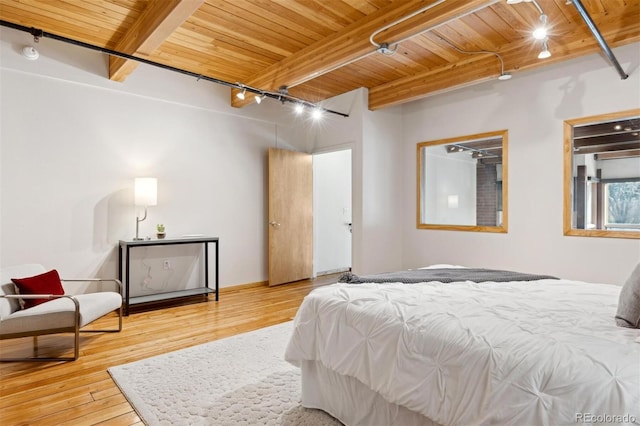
(462, 183)
(602, 175)
(622, 204)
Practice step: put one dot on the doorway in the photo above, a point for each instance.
(332, 220)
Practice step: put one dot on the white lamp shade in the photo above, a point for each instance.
(146, 191)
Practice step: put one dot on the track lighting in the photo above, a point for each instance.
(545, 53)
(540, 33)
(30, 53)
(283, 96)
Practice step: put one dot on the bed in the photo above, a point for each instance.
(542, 351)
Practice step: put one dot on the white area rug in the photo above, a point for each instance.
(239, 380)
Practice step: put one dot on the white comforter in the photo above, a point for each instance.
(540, 353)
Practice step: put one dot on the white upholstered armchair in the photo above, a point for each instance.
(83, 301)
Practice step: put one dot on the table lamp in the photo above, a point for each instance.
(145, 194)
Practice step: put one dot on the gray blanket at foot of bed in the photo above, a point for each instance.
(443, 275)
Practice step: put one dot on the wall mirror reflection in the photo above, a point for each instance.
(602, 175)
(462, 183)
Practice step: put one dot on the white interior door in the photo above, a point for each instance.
(332, 211)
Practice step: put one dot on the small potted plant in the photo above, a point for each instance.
(160, 231)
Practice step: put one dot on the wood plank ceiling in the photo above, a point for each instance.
(321, 48)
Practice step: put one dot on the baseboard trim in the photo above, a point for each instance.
(242, 286)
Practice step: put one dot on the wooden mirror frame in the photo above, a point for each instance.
(502, 228)
(568, 176)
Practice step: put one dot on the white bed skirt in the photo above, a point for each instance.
(351, 402)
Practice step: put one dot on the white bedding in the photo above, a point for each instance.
(519, 353)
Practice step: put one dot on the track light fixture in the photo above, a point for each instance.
(259, 98)
(540, 33)
(299, 109)
(30, 53)
(544, 53)
(240, 95)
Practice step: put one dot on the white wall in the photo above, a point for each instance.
(532, 106)
(375, 137)
(383, 191)
(72, 142)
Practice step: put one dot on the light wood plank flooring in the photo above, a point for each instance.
(82, 392)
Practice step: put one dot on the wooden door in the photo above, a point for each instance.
(290, 216)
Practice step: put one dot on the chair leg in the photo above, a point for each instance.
(109, 330)
(76, 343)
(48, 359)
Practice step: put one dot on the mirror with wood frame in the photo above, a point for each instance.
(462, 183)
(602, 175)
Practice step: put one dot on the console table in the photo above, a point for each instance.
(124, 256)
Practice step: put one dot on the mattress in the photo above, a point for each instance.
(514, 353)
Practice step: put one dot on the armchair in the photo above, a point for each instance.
(84, 301)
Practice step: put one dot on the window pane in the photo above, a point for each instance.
(623, 200)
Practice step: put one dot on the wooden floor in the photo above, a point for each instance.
(82, 393)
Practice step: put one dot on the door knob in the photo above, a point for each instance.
(274, 224)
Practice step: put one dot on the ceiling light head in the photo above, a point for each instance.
(259, 98)
(386, 50)
(540, 33)
(299, 109)
(240, 95)
(544, 53)
(30, 53)
(316, 114)
(505, 76)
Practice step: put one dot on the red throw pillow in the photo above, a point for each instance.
(47, 283)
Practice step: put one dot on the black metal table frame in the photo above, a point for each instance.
(127, 245)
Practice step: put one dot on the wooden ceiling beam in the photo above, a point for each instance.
(617, 155)
(352, 43)
(158, 21)
(600, 140)
(609, 148)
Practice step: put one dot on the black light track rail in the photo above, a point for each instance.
(282, 97)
